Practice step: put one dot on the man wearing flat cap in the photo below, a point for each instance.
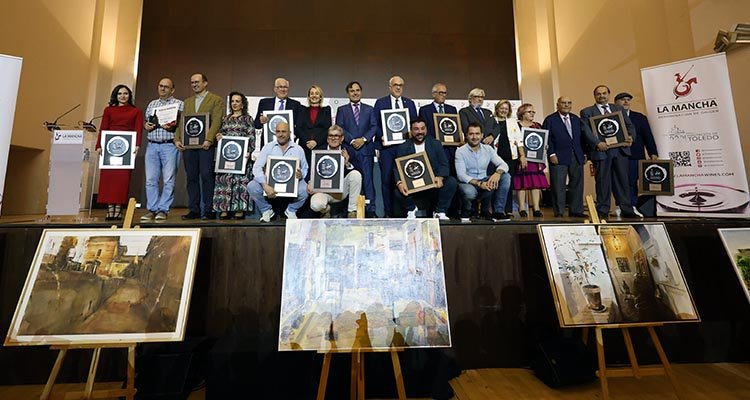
(644, 140)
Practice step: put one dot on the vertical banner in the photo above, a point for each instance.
(10, 76)
(691, 113)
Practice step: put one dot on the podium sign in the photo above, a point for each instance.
(65, 172)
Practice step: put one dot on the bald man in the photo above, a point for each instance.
(566, 160)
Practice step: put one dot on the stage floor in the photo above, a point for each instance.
(697, 381)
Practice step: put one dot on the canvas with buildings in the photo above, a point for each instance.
(737, 243)
(363, 284)
(103, 285)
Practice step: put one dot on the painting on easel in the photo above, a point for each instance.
(737, 243)
(363, 284)
(615, 274)
(106, 286)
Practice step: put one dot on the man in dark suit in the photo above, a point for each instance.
(566, 158)
(475, 113)
(611, 163)
(359, 123)
(645, 139)
(394, 100)
(446, 184)
(279, 102)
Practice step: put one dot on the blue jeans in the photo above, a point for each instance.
(499, 196)
(255, 190)
(161, 163)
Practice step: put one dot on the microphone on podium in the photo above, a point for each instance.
(52, 126)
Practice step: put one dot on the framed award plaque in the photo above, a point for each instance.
(230, 155)
(655, 177)
(194, 129)
(395, 125)
(327, 171)
(535, 144)
(415, 172)
(610, 128)
(280, 174)
(274, 117)
(448, 129)
(117, 150)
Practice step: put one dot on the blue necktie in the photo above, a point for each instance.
(397, 104)
(281, 104)
(481, 114)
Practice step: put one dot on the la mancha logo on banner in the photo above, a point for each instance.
(684, 83)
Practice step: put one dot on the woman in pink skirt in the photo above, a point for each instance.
(529, 176)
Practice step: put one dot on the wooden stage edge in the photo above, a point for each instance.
(174, 220)
(698, 381)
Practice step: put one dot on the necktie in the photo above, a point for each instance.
(481, 114)
(281, 105)
(567, 125)
(605, 108)
(397, 104)
(440, 109)
(356, 113)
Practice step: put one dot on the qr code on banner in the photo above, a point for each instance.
(680, 158)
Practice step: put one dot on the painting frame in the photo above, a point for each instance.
(425, 181)
(733, 251)
(16, 337)
(269, 128)
(600, 304)
(535, 144)
(289, 187)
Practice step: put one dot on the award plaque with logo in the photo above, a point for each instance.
(230, 155)
(395, 125)
(327, 171)
(274, 118)
(448, 129)
(117, 150)
(611, 129)
(655, 177)
(194, 129)
(415, 172)
(280, 175)
(535, 144)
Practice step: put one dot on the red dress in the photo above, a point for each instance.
(114, 183)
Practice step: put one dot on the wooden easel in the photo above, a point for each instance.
(634, 370)
(89, 392)
(357, 387)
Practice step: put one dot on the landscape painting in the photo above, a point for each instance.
(363, 284)
(105, 286)
(737, 243)
(615, 274)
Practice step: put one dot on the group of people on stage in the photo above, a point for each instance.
(476, 179)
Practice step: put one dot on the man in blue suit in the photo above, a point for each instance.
(446, 184)
(279, 102)
(388, 153)
(611, 163)
(565, 147)
(645, 139)
(359, 124)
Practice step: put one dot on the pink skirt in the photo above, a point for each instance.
(530, 178)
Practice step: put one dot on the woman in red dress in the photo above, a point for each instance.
(120, 115)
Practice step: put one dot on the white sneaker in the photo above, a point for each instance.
(267, 215)
(638, 213)
(441, 216)
(290, 214)
(412, 214)
(465, 220)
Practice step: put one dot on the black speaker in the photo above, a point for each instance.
(561, 361)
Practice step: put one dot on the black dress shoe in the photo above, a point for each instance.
(370, 214)
(538, 213)
(579, 215)
(557, 215)
(209, 215)
(629, 215)
(191, 215)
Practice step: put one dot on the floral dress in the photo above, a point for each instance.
(230, 190)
